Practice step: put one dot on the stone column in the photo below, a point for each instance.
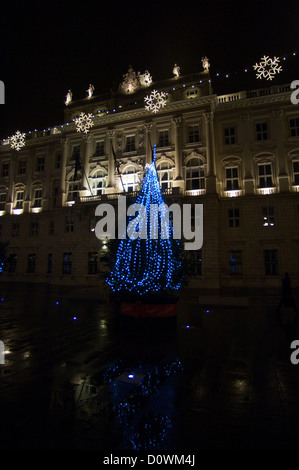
(12, 178)
(178, 181)
(246, 138)
(66, 149)
(281, 163)
(210, 145)
(85, 163)
(111, 164)
(148, 150)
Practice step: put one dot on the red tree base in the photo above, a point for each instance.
(142, 310)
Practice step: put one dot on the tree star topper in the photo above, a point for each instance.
(155, 101)
(267, 67)
(17, 141)
(84, 123)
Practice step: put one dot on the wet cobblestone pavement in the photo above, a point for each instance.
(214, 378)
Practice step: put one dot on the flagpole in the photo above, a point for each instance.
(117, 167)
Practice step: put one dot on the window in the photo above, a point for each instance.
(69, 223)
(74, 188)
(22, 167)
(271, 262)
(230, 135)
(40, 164)
(12, 263)
(19, 200)
(31, 263)
(92, 262)
(55, 196)
(15, 229)
(2, 201)
(265, 175)
(294, 127)
(195, 174)
(5, 169)
(67, 263)
(57, 161)
(261, 130)
(232, 178)
(268, 216)
(130, 143)
(233, 218)
(195, 258)
(296, 172)
(37, 198)
(235, 262)
(51, 227)
(130, 179)
(99, 183)
(193, 134)
(33, 229)
(165, 175)
(50, 263)
(163, 139)
(100, 148)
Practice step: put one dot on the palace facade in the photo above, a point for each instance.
(237, 154)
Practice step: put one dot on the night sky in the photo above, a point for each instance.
(48, 48)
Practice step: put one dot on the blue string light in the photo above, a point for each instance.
(150, 263)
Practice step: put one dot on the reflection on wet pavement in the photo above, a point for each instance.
(79, 376)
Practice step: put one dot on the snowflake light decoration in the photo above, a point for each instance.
(155, 101)
(84, 123)
(17, 141)
(267, 68)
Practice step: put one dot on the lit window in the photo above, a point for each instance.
(265, 175)
(37, 198)
(74, 188)
(99, 182)
(130, 179)
(19, 200)
(195, 174)
(165, 175)
(232, 178)
(268, 216)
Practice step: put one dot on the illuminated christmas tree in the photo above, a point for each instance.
(148, 262)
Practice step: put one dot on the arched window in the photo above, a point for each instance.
(130, 178)
(73, 188)
(195, 174)
(99, 182)
(165, 175)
